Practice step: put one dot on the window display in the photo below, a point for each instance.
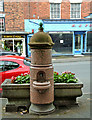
(63, 43)
(89, 41)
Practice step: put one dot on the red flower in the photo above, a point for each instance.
(57, 73)
(12, 79)
(73, 73)
(69, 72)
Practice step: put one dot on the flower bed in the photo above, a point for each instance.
(23, 78)
(17, 89)
(64, 77)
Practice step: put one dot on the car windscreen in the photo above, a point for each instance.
(27, 61)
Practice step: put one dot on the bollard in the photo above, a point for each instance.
(42, 78)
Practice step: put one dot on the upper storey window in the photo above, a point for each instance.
(75, 11)
(2, 26)
(55, 10)
(1, 6)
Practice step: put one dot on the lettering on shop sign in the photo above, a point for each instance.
(13, 36)
(81, 25)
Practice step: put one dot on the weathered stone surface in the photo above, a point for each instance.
(42, 78)
(17, 94)
(64, 94)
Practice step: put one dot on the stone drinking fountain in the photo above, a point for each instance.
(42, 78)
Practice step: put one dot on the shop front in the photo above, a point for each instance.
(71, 37)
(83, 42)
(15, 43)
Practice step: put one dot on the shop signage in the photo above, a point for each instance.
(86, 25)
(81, 25)
(13, 36)
(73, 25)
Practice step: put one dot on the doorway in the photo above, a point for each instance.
(79, 42)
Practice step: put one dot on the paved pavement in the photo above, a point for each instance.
(63, 59)
(80, 111)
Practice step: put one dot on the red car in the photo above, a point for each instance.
(11, 65)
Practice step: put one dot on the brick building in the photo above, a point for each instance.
(67, 21)
(12, 30)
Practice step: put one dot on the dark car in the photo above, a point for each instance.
(8, 53)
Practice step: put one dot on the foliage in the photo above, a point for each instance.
(19, 45)
(21, 79)
(65, 77)
(6, 48)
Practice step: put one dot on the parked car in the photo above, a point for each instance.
(11, 65)
(8, 53)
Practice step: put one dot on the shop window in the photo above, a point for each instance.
(1, 5)
(89, 41)
(55, 10)
(75, 11)
(14, 46)
(8, 45)
(18, 46)
(63, 43)
(83, 42)
(2, 25)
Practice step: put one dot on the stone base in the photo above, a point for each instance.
(41, 109)
(15, 105)
(65, 101)
(11, 108)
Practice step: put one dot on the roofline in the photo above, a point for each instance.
(68, 19)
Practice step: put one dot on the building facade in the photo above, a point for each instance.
(13, 35)
(68, 22)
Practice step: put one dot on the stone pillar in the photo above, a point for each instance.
(42, 78)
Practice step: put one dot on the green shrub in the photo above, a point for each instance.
(65, 77)
(21, 79)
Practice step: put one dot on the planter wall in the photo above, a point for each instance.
(19, 94)
(66, 93)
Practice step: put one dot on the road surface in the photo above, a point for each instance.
(82, 69)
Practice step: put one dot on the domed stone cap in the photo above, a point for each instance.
(41, 40)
